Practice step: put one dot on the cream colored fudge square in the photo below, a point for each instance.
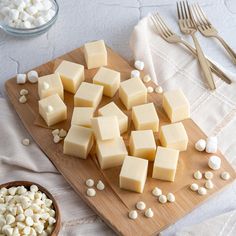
(142, 144)
(176, 105)
(95, 54)
(111, 109)
(109, 79)
(133, 174)
(174, 136)
(82, 116)
(132, 92)
(49, 85)
(52, 109)
(72, 75)
(145, 117)
(88, 95)
(105, 127)
(165, 164)
(78, 141)
(111, 153)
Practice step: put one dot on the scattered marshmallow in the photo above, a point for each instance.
(149, 213)
(33, 76)
(133, 214)
(225, 175)
(89, 182)
(170, 197)
(211, 144)
(150, 89)
(214, 162)
(200, 145)
(140, 205)
(100, 185)
(162, 199)
(139, 65)
(135, 74)
(156, 192)
(22, 99)
(24, 92)
(91, 192)
(208, 175)
(25, 142)
(202, 191)
(146, 78)
(56, 138)
(194, 187)
(159, 89)
(209, 184)
(197, 175)
(62, 133)
(21, 78)
(55, 132)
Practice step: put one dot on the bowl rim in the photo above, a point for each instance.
(38, 28)
(44, 190)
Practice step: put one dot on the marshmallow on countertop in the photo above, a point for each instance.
(211, 144)
(135, 74)
(21, 78)
(214, 162)
(33, 76)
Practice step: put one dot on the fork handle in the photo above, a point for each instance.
(214, 68)
(227, 48)
(204, 64)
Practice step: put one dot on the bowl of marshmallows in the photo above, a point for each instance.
(27, 17)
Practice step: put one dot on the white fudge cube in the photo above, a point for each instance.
(132, 92)
(52, 109)
(109, 79)
(82, 116)
(165, 164)
(174, 136)
(72, 75)
(95, 54)
(78, 142)
(176, 105)
(133, 174)
(145, 117)
(142, 144)
(111, 153)
(111, 109)
(88, 95)
(49, 85)
(105, 127)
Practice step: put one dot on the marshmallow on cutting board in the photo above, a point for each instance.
(211, 144)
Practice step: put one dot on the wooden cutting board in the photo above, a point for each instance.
(113, 204)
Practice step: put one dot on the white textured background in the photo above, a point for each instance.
(112, 20)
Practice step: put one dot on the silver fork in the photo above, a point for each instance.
(188, 26)
(168, 35)
(207, 29)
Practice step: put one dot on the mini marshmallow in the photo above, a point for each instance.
(23, 99)
(194, 187)
(62, 133)
(21, 78)
(55, 132)
(211, 144)
(91, 192)
(146, 78)
(156, 192)
(32, 10)
(209, 184)
(140, 205)
(24, 92)
(225, 175)
(149, 213)
(214, 162)
(56, 138)
(162, 199)
(200, 145)
(197, 175)
(34, 188)
(170, 197)
(33, 76)
(159, 89)
(139, 65)
(10, 219)
(39, 21)
(25, 142)
(24, 15)
(13, 14)
(133, 214)
(100, 185)
(47, 5)
(202, 191)
(89, 182)
(135, 74)
(26, 25)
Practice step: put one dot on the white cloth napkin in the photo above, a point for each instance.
(172, 66)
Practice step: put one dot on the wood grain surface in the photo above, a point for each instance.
(113, 204)
(27, 184)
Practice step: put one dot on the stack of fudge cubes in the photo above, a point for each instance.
(106, 129)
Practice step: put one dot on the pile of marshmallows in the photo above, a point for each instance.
(26, 212)
(26, 14)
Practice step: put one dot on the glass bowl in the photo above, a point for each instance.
(32, 32)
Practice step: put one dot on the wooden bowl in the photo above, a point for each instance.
(27, 184)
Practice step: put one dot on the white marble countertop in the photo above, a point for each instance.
(113, 20)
